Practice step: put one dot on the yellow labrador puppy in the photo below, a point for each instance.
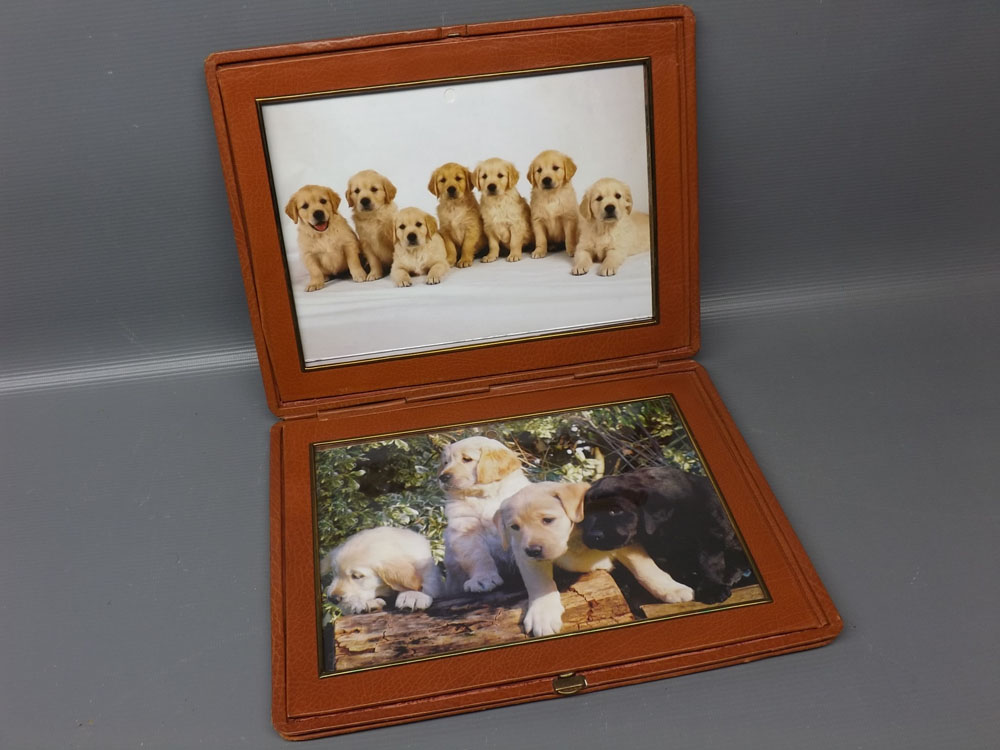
(610, 231)
(327, 244)
(539, 524)
(477, 474)
(371, 196)
(458, 212)
(506, 215)
(554, 214)
(375, 564)
(419, 249)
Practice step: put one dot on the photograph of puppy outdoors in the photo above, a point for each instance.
(498, 186)
(491, 534)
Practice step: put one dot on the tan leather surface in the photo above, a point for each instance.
(495, 382)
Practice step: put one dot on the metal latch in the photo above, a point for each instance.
(569, 683)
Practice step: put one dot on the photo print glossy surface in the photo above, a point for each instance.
(485, 535)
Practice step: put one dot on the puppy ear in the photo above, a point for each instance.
(628, 200)
(432, 225)
(571, 497)
(334, 200)
(475, 178)
(656, 511)
(502, 529)
(496, 463)
(585, 211)
(469, 179)
(292, 209)
(531, 172)
(570, 166)
(390, 190)
(513, 175)
(433, 184)
(399, 575)
(350, 195)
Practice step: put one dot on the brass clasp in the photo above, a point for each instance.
(569, 683)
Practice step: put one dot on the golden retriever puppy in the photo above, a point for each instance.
(374, 564)
(554, 214)
(419, 249)
(477, 474)
(327, 244)
(610, 231)
(458, 212)
(371, 196)
(506, 215)
(539, 524)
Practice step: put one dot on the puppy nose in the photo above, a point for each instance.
(451, 190)
(547, 181)
(366, 201)
(444, 477)
(412, 238)
(609, 210)
(334, 598)
(533, 550)
(596, 535)
(492, 187)
(319, 215)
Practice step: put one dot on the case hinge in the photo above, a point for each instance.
(569, 683)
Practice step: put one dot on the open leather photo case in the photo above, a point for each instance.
(471, 261)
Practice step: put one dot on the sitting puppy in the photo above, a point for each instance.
(679, 520)
(371, 196)
(538, 523)
(610, 231)
(376, 563)
(419, 249)
(506, 215)
(327, 244)
(554, 214)
(458, 212)
(477, 474)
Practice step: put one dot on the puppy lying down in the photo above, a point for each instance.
(539, 524)
(375, 564)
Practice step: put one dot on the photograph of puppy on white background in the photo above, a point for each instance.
(394, 141)
(433, 543)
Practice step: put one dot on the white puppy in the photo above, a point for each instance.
(374, 564)
(419, 249)
(609, 231)
(506, 215)
(477, 474)
(539, 524)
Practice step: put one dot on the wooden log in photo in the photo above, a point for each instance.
(452, 625)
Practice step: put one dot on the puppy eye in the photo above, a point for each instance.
(375, 190)
(466, 459)
(515, 527)
(614, 511)
(357, 190)
(305, 205)
(547, 521)
(458, 179)
(599, 198)
(618, 195)
(555, 168)
(538, 171)
(420, 223)
(402, 226)
(443, 179)
(500, 176)
(323, 201)
(356, 575)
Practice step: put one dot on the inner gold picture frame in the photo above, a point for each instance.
(391, 481)
(406, 130)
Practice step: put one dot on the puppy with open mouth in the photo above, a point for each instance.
(370, 196)
(610, 231)
(539, 524)
(419, 250)
(327, 244)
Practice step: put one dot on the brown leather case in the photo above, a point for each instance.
(464, 385)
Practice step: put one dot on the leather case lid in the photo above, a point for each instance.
(660, 39)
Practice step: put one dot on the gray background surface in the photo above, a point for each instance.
(849, 222)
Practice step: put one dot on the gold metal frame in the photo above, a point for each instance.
(317, 587)
(654, 319)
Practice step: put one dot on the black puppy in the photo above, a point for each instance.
(680, 521)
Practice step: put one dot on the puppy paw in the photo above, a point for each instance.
(372, 276)
(580, 269)
(413, 600)
(481, 583)
(539, 252)
(433, 278)
(373, 605)
(674, 593)
(544, 616)
(514, 257)
(489, 258)
(315, 286)
(606, 270)
(464, 262)
(404, 282)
